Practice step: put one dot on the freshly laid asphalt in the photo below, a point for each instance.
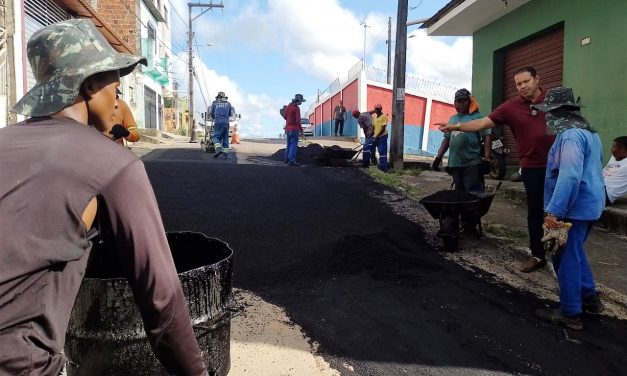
(361, 280)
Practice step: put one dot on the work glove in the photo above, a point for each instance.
(437, 162)
(555, 238)
(118, 131)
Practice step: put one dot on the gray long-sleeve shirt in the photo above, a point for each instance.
(49, 171)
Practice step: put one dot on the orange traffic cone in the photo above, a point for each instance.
(235, 136)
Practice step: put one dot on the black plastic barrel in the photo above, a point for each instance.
(106, 335)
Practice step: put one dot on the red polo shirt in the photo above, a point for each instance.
(529, 130)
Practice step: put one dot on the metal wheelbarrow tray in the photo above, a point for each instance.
(448, 205)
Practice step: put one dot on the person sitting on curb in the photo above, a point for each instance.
(466, 155)
(293, 129)
(364, 119)
(56, 166)
(615, 172)
(573, 193)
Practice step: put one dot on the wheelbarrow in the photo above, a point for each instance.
(337, 156)
(448, 206)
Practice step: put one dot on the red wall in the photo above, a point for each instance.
(350, 96)
(326, 110)
(415, 109)
(440, 113)
(382, 96)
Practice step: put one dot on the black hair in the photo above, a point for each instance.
(532, 71)
(622, 141)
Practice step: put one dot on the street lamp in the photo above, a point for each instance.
(363, 61)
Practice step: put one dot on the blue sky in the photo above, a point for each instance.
(264, 51)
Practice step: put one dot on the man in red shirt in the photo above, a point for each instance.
(293, 129)
(529, 128)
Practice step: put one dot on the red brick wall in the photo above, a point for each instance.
(120, 16)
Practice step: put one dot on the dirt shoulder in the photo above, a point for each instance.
(504, 245)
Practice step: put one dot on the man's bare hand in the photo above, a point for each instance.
(445, 127)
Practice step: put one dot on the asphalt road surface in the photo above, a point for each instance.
(362, 281)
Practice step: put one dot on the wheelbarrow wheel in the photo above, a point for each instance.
(451, 243)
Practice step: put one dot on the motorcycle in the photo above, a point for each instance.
(498, 167)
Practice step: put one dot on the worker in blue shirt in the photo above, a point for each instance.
(220, 112)
(574, 193)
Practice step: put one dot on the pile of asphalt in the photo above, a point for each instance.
(304, 155)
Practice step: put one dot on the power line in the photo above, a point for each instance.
(201, 71)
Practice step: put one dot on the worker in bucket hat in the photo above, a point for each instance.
(57, 170)
(574, 197)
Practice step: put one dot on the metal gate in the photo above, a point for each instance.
(39, 13)
(546, 54)
(150, 108)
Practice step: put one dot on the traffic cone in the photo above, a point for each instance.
(235, 136)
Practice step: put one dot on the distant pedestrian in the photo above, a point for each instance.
(221, 112)
(529, 128)
(615, 172)
(380, 138)
(340, 117)
(293, 129)
(365, 121)
(56, 169)
(573, 193)
(124, 125)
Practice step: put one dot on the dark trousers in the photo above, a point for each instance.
(533, 179)
(339, 123)
(469, 179)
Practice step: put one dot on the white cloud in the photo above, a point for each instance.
(318, 38)
(431, 58)
(260, 114)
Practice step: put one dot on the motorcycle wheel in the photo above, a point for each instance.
(498, 168)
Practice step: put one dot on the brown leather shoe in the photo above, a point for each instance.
(532, 265)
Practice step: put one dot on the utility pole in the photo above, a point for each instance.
(389, 71)
(190, 89)
(397, 143)
(363, 61)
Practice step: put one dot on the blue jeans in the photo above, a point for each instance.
(533, 180)
(382, 147)
(221, 137)
(573, 270)
(367, 151)
(292, 145)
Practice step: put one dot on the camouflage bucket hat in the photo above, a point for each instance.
(62, 56)
(558, 97)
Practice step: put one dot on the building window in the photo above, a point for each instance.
(159, 4)
(165, 14)
(152, 34)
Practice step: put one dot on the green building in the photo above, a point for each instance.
(576, 43)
